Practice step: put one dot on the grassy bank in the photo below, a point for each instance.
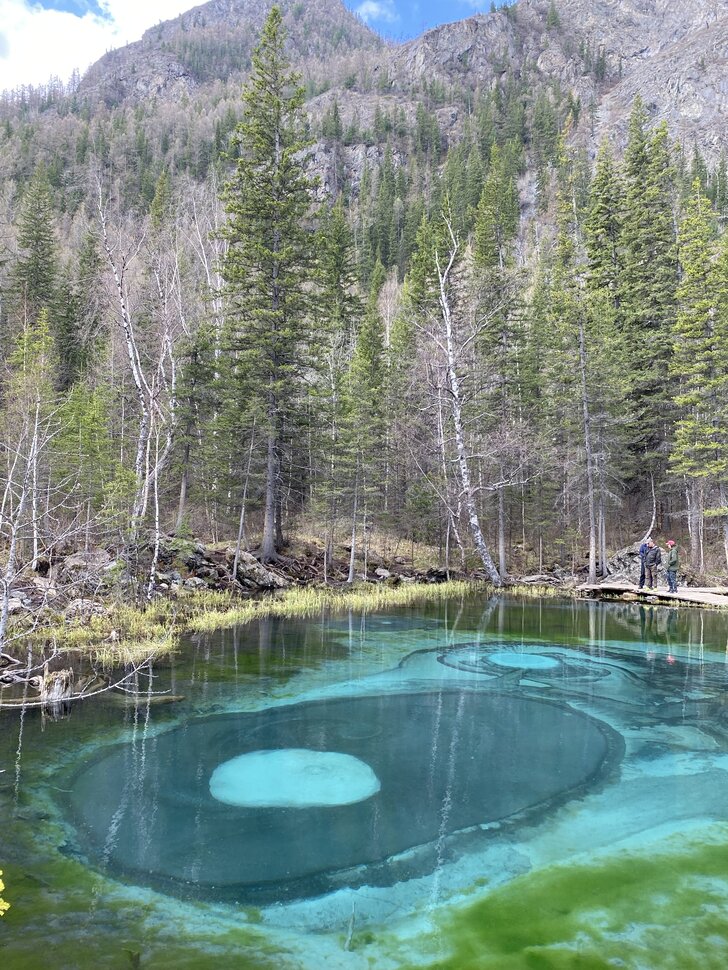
(538, 591)
(127, 634)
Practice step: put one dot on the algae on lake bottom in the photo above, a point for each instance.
(663, 908)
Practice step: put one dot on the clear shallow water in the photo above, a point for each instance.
(475, 784)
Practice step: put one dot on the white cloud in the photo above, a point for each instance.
(37, 43)
(377, 10)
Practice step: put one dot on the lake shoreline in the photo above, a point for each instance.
(110, 635)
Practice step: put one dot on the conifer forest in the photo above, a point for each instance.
(503, 346)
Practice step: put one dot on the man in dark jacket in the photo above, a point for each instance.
(643, 552)
(672, 565)
(653, 559)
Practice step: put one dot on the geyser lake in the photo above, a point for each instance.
(479, 783)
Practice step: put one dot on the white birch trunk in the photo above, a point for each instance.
(15, 519)
(352, 554)
(157, 533)
(456, 405)
(588, 454)
(241, 524)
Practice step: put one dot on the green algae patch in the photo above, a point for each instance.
(68, 921)
(666, 910)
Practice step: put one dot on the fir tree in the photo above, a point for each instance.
(603, 227)
(699, 366)
(269, 259)
(647, 287)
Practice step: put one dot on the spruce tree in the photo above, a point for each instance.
(603, 227)
(33, 282)
(268, 267)
(338, 312)
(699, 366)
(648, 280)
(496, 219)
(584, 370)
(365, 409)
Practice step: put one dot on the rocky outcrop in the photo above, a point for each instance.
(78, 583)
(672, 55)
(685, 85)
(117, 77)
(84, 572)
(193, 565)
(213, 42)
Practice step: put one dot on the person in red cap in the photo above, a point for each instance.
(672, 564)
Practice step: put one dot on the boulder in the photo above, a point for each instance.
(15, 605)
(625, 565)
(83, 609)
(85, 571)
(382, 573)
(45, 586)
(541, 579)
(251, 573)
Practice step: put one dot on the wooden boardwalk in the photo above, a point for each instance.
(688, 596)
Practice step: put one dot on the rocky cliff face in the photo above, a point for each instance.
(686, 85)
(213, 42)
(672, 54)
(602, 52)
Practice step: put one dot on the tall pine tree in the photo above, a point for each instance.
(269, 263)
(699, 366)
(647, 291)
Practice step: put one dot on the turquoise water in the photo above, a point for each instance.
(480, 783)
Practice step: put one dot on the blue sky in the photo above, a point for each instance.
(401, 19)
(77, 7)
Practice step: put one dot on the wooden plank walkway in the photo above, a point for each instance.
(631, 593)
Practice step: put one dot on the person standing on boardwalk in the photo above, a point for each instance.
(643, 552)
(653, 558)
(672, 565)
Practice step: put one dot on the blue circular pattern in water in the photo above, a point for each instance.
(499, 659)
(446, 762)
(524, 661)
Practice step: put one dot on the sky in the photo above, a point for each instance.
(44, 38)
(402, 19)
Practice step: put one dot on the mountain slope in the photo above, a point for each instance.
(604, 51)
(686, 85)
(213, 42)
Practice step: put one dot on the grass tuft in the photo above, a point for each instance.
(313, 600)
(127, 634)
